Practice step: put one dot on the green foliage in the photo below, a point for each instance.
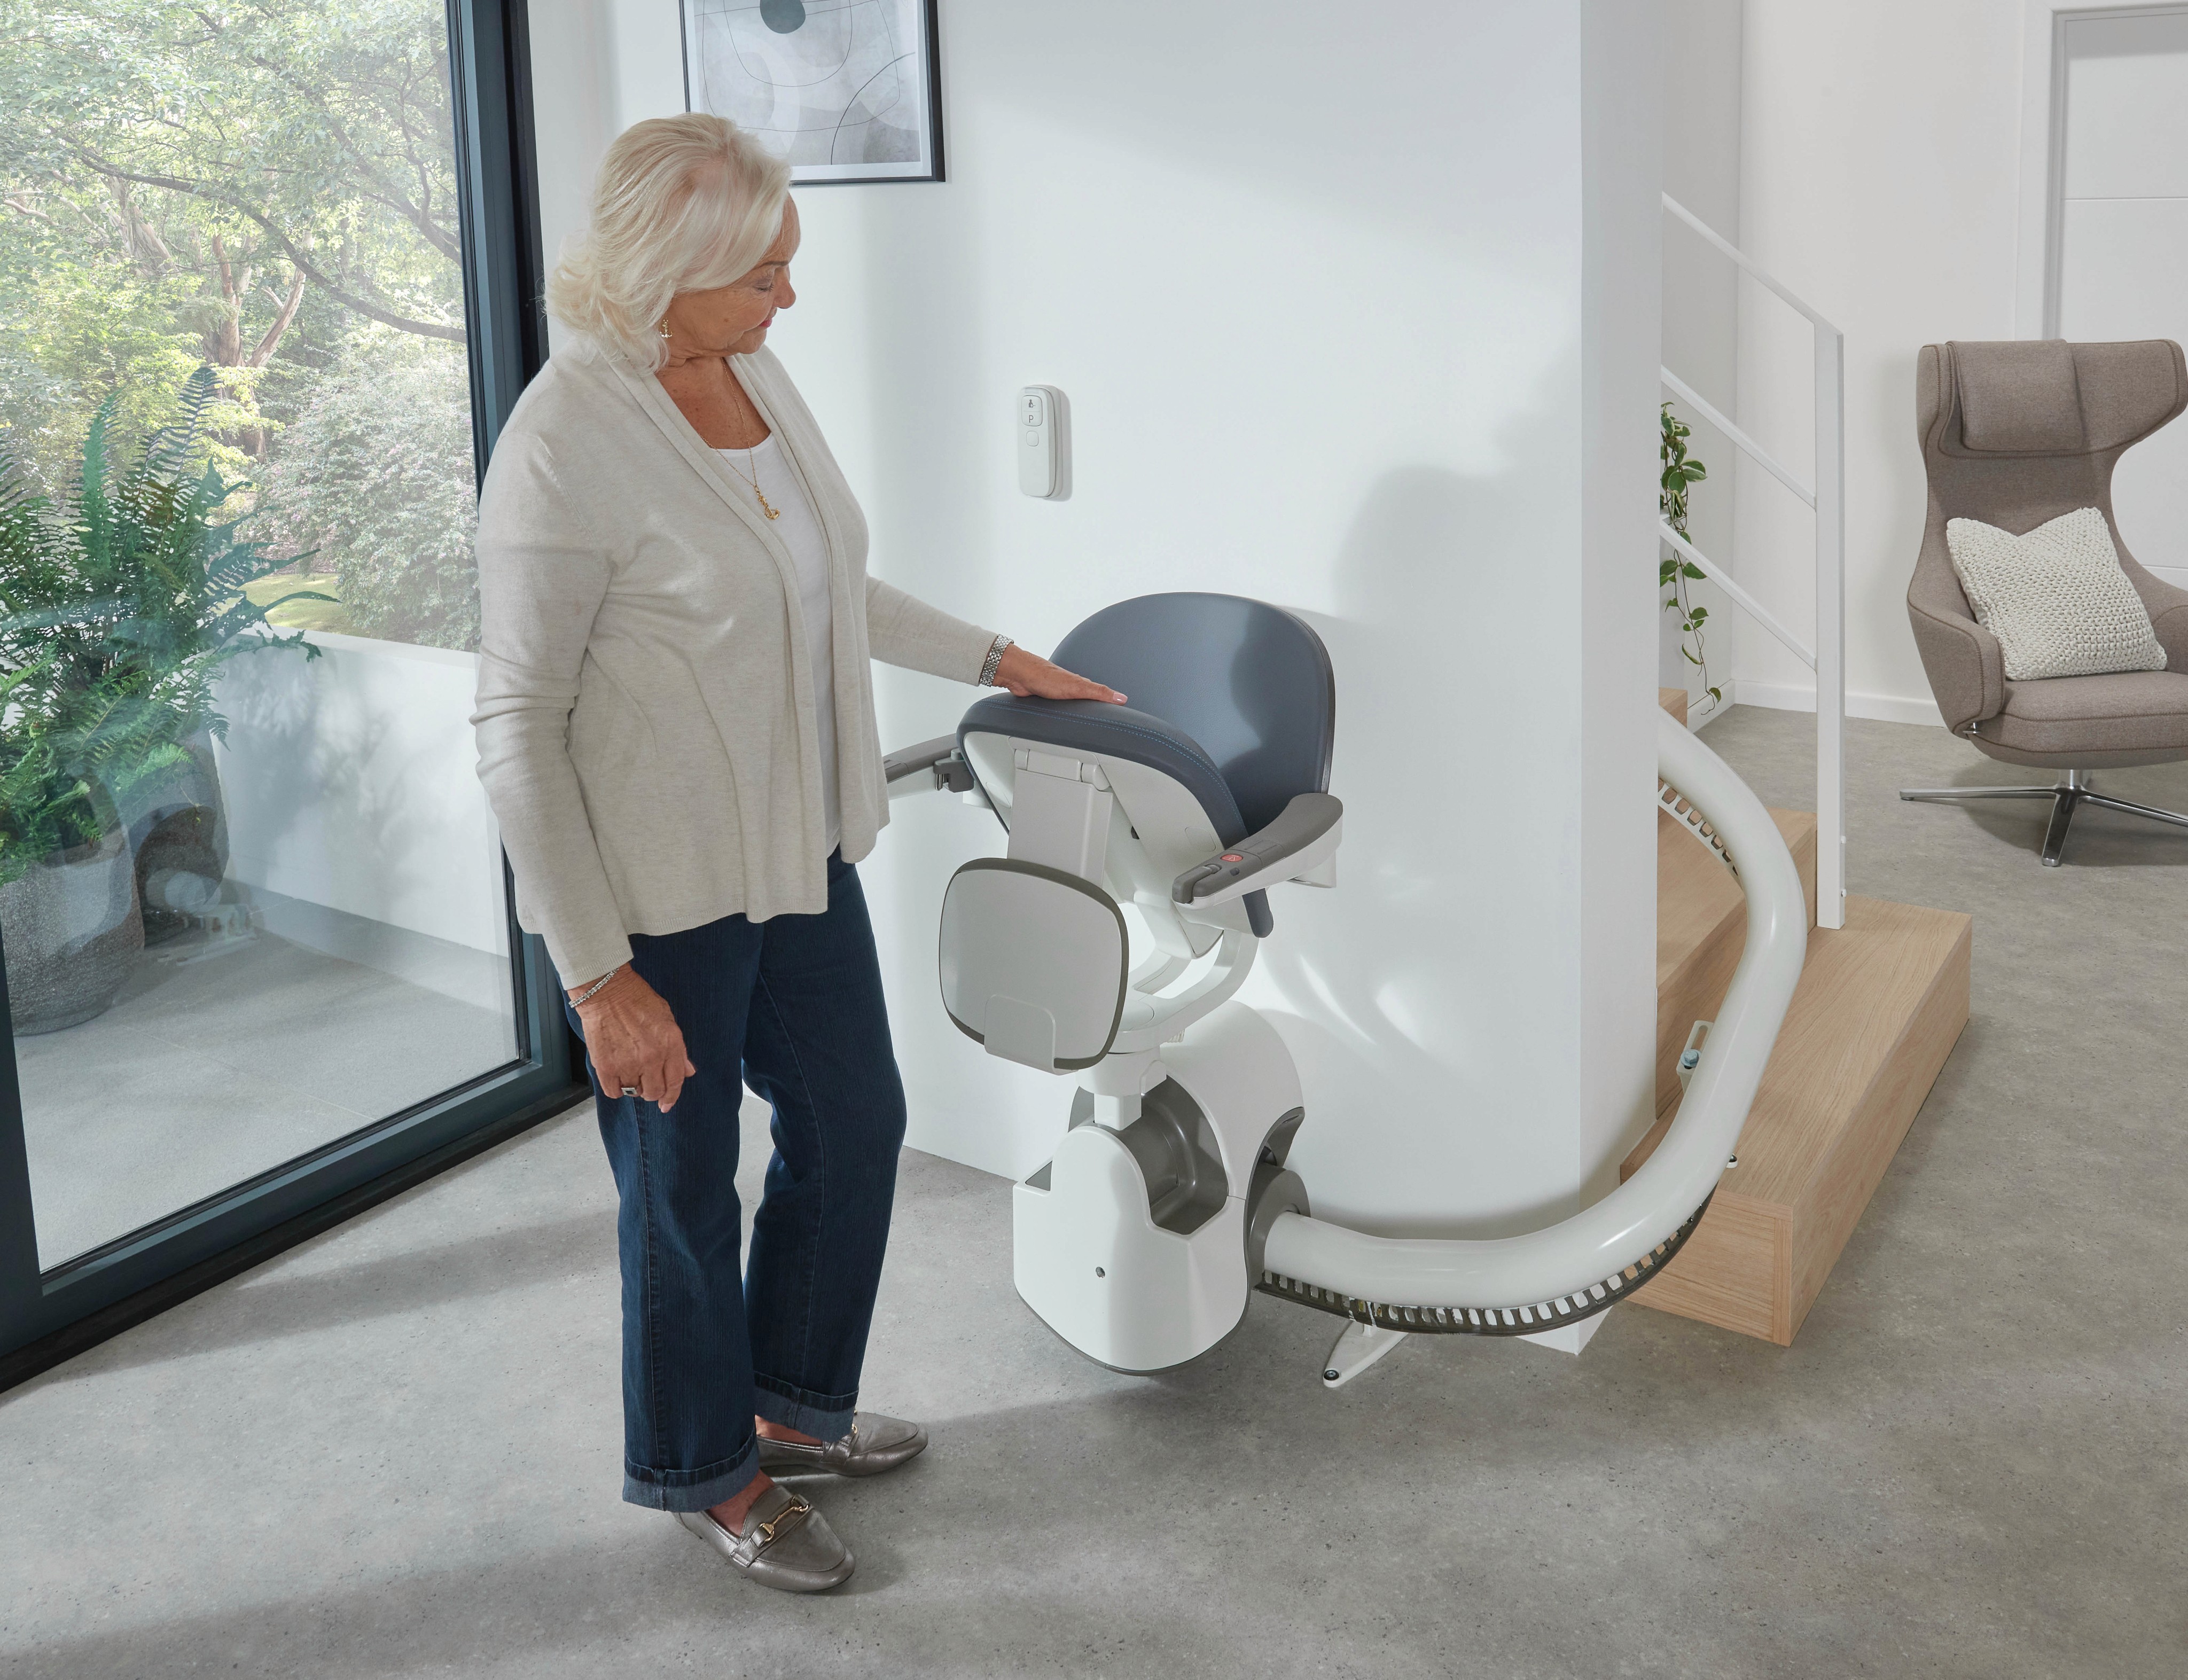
(276, 594)
(119, 606)
(1674, 571)
(375, 477)
(266, 188)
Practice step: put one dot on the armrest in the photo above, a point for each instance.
(932, 767)
(1303, 835)
(1963, 661)
(2168, 615)
(1965, 666)
(2171, 627)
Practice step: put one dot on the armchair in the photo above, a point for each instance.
(2015, 434)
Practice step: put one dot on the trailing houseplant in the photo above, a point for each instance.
(119, 605)
(1674, 571)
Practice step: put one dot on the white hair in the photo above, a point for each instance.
(680, 203)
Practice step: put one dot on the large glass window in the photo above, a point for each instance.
(251, 896)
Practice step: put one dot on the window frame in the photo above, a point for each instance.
(50, 1315)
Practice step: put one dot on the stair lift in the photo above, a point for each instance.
(1168, 1201)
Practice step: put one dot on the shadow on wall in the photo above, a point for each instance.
(350, 784)
(1418, 997)
(1420, 973)
(1387, 315)
(300, 765)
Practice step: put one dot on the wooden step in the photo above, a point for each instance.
(1880, 1005)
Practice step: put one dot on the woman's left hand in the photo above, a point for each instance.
(1028, 673)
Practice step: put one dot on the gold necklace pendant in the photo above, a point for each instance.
(751, 475)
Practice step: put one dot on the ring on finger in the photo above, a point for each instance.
(630, 1090)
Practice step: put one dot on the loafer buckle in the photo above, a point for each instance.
(783, 1518)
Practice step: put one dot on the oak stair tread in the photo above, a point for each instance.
(1880, 1005)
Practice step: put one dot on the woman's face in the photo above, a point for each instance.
(732, 320)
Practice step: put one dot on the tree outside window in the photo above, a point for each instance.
(266, 189)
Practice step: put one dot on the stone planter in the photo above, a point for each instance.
(178, 834)
(72, 935)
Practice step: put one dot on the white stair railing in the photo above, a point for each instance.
(1827, 498)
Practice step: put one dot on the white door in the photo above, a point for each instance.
(2123, 237)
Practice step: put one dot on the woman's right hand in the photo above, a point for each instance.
(633, 1040)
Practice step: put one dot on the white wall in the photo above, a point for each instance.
(351, 786)
(597, 67)
(2123, 238)
(1357, 312)
(1701, 300)
(1879, 179)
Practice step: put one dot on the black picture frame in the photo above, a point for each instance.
(702, 20)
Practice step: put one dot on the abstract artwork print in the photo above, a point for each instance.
(846, 90)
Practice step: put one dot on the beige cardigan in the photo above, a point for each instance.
(646, 720)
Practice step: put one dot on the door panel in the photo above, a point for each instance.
(2123, 239)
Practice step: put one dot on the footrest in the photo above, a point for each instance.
(1034, 963)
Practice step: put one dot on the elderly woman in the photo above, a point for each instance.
(676, 731)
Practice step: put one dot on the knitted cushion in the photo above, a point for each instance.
(2055, 598)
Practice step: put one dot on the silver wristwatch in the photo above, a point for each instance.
(994, 660)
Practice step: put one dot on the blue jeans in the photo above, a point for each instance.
(792, 1007)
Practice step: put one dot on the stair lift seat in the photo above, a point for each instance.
(1168, 1200)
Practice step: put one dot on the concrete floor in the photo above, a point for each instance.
(223, 1057)
(394, 1452)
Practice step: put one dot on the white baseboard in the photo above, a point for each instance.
(455, 971)
(1890, 708)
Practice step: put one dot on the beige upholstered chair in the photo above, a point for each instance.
(2015, 434)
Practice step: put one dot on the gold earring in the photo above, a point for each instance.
(664, 329)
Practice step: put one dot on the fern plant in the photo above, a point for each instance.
(1675, 570)
(118, 608)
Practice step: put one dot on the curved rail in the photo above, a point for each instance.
(1516, 1285)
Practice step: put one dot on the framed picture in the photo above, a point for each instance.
(847, 90)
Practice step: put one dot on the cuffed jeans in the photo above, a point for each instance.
(793, 1008)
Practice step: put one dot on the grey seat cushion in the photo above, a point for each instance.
(2122, 718)
(1100, 726)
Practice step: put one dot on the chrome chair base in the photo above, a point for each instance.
(2072, 791)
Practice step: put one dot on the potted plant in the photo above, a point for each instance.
(69, 921)
(118, 609)
(1677, 474)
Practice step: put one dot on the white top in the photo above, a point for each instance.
(799, 530)
(645, 719)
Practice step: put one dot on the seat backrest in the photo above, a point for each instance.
(1248, 682)
(2017, 432)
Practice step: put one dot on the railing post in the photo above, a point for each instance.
(1829, 504)
(1831, 627)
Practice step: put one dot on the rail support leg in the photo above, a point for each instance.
(1359, 1347)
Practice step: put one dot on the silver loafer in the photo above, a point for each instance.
(875, 1444)
(786, 1543)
